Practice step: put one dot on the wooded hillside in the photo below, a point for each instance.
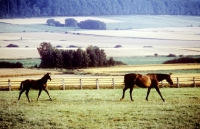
(37, 8)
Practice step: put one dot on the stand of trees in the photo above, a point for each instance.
(5, 64)
(92, 24)
(37, 8)
(183, 60)
(58, 58)
(71, 22)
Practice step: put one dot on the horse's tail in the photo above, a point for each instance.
(21, 85)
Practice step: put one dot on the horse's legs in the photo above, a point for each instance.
(27, 90)
(20, 93)
(47, 93)
(131, 89)
(149, 89)
(39, 94)
(124, 92)
(157, 89)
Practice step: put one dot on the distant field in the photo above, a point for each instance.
(130, 46)
(102, 109)
(135, 60)
(165, 34)
(168, 68)
(183, 70)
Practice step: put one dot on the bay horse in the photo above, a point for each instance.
(149, 81)
(40, 84)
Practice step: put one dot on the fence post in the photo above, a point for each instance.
(97, 84)
(178, 83)
(113, 82)
(63, 84)
(81, 84)
(9, 85)
(194, 82)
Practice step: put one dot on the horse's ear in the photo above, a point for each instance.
(170, 73)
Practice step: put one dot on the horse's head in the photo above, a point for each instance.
(169, 80)
(47, 76)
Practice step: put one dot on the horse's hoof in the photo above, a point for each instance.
(121, 99)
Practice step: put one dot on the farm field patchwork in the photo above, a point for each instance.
(165, 34)
(116, 70)
(101, 109)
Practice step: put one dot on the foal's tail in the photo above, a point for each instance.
(21, 85)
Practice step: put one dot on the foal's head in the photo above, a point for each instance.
(47, 76)
(169, 80)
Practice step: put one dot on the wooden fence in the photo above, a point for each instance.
(94, 83)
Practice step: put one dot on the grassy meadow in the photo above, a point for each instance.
(102, 109)
(141, 36)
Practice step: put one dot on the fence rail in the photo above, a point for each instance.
(94, 83)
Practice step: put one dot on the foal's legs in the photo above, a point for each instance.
(40, 90)
(47, 93)
(124, 90)
(149, 89)
(157, 89)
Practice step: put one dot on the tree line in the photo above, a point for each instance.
(71, 22)
(52, 57)
(38, 8)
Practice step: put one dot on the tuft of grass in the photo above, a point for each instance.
(101, 109)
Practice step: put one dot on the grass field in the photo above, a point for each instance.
(136, 60)
(102, 109)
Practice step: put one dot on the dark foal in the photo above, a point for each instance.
(40, 84)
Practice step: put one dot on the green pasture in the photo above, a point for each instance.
(126, 22)
(151, 21)
(137, 60)
(26, 62)
(87, 109)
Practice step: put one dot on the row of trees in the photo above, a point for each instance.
(91, 57)
(71, 22)
(5, 64)
(35, 8)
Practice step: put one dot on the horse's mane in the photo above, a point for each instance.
(44, 78)
(159, 76)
